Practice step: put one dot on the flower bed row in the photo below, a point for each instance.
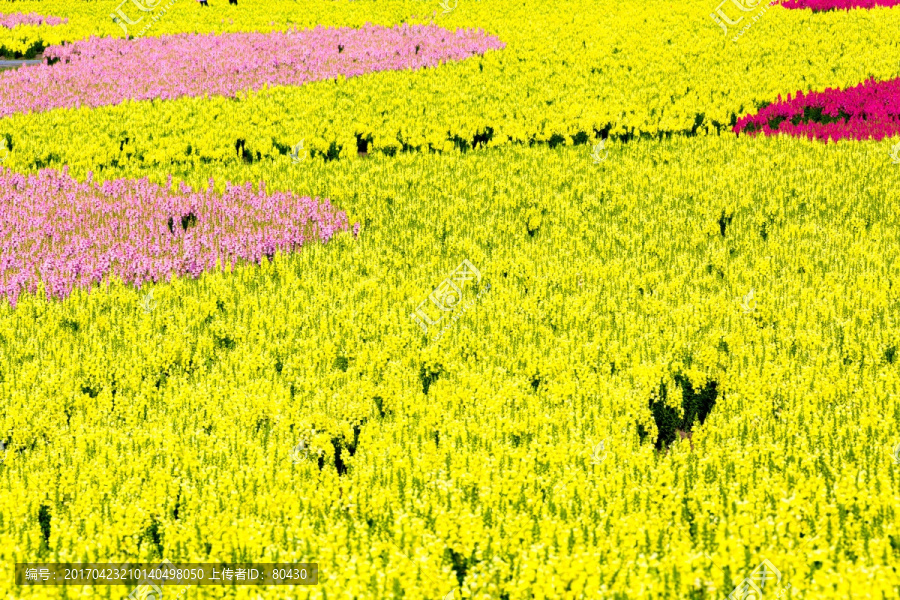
(12, 20)
(103, 71)
(824, 5)
(870, 110)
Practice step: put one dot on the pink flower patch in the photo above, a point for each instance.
(63, 233)
(12, 20)
(870, 110)
(104, 71)
(823, 5)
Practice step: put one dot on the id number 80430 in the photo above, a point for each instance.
(299, 574)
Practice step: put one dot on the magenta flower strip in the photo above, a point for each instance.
(66, 234)
(12, 20)
(104, 71)
(870, 110)
(823, 5)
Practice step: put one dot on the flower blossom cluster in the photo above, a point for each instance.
(12, 20)
(67, 233)
(823, 5)
(870, 110)
(104, 71)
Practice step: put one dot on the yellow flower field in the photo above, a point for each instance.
(635, 69)
(512, 458)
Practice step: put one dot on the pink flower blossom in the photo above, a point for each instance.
(12, 20)
(104, 71)
(823, 5)
(66, 233)
(870, 110)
